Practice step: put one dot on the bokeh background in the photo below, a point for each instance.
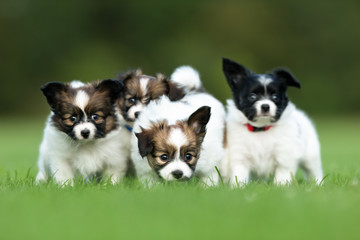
(44, 41)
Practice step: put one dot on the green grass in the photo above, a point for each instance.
(180, 211)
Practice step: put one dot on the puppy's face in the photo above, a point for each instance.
(261, 97)
(141, 89)
(84, 112)
(173, 150)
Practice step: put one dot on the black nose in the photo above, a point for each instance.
(177, 174)
(137, 114)
(265, 108)
(85, 133)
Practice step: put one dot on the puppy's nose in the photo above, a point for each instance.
(177, 174)
(85, 133)
(265, 108)
(137, 114)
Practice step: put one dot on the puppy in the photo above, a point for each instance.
(266, 134)
(140, 89)
(82, 135)
(176, 140)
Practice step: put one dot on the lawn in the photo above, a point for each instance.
(180, 211)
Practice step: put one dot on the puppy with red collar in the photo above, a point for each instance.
(266, 134)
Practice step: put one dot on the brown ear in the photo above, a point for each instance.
(124, 76)
(198, 120)
(53, 91)
(145, 144)
(175, 92)
(114, 87)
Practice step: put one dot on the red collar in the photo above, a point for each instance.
(257, 129)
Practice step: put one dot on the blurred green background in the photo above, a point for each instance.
(45, 41)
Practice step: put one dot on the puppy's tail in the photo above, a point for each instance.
(188, 78)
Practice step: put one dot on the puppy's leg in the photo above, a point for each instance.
(148, 180)
(115, 173)
(62, 172)
(211, 179)
(313, 169)
(41, 176)
(239, 174)
(283, 175)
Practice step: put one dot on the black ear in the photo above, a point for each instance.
(199, 119)
(287, 77)
(144, 142)
(234, 72)
(52, 91)
(114, 87)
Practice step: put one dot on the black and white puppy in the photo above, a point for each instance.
(82, 135)
(266, 134)
(176, 140)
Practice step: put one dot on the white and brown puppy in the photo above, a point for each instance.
(82, 135)
(176, 140)
(140, 90)
(266, 134)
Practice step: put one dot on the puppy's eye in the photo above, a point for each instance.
(131, 100)
(188, 157)
(164, 157)
(72, 119)
(275, 97)
(252, 97)
(95, 117)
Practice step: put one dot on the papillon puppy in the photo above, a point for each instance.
(140, 90)
(82, 136)
(266, 134)
(176, 140)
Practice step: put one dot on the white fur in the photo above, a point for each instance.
(177, 138)
(174, 165)
(143, 85)
(264, 80)
(85, 126)
(212, 147)
(77, 84)
(82, 99)
(134, 109)
(63, 158)
(290, 142)
(272, 110)
(187, 77)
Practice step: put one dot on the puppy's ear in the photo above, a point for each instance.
(113, 87)
(124, 76)
(198, 120)
(53, 91)
(234, 72)
(286, 77)
(145, 144)
(175, 92)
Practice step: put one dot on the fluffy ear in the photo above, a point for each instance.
(144, 142)
(114, 87)
(52, 92)
(124, 76)
(199, 119)
(234, 72)
(287, 77)
(175, 92)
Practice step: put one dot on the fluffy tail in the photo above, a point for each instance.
(187, 77)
